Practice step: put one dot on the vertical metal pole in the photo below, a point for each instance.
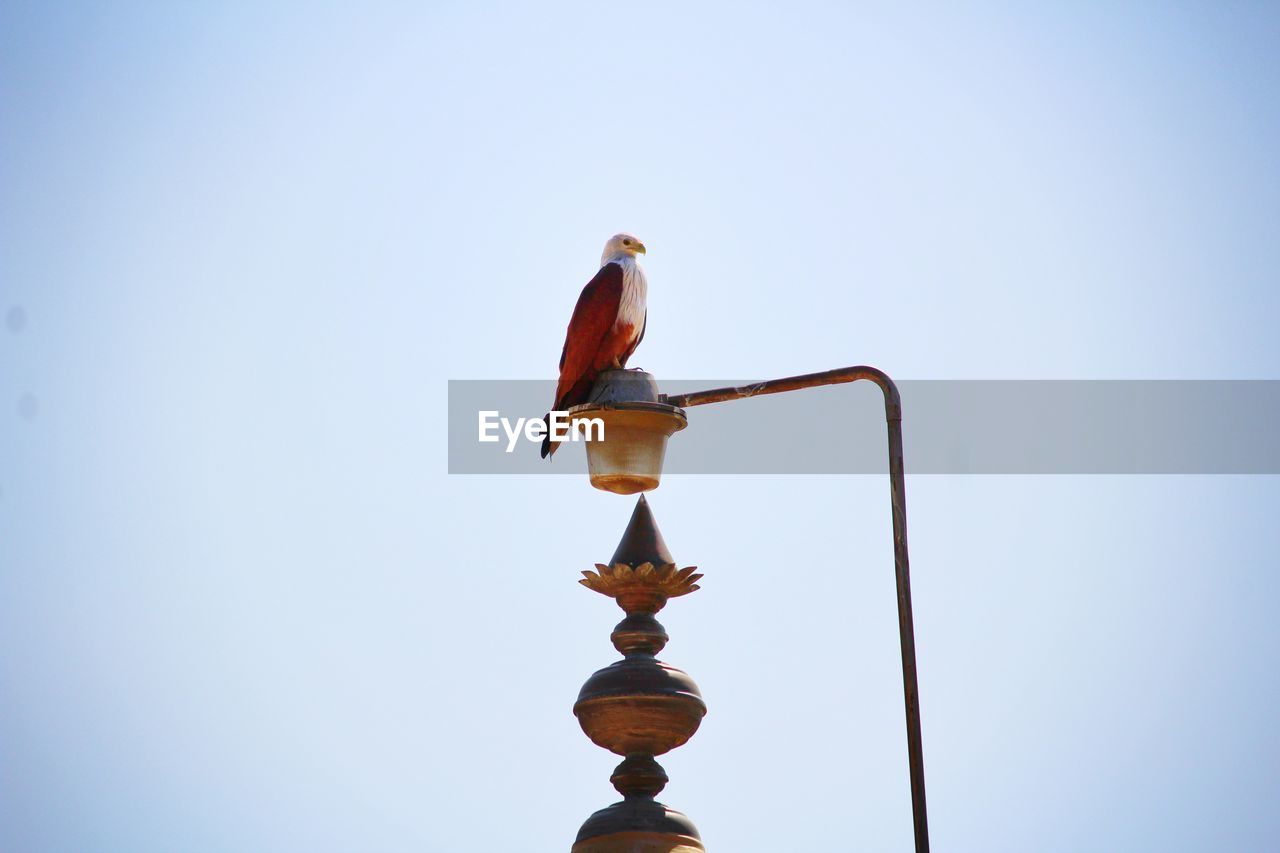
(906, 624)
(901, 564)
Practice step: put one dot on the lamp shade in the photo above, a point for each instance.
(625, 454)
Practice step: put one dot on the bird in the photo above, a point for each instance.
(607, 325)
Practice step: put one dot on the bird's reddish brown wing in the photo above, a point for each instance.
(593, 317)
(640, 337)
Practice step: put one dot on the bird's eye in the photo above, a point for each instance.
(626, 242)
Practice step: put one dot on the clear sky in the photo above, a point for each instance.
(243, 246)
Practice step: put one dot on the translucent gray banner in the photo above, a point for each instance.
(950, 427)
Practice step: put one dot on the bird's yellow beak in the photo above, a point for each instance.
(640, 249)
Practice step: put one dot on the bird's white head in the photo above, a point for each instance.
(621, 245)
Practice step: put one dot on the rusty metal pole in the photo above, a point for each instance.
(901, 564)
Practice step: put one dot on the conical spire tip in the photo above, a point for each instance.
(642, 542)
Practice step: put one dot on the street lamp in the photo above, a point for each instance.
(648, 706)
(636, 425)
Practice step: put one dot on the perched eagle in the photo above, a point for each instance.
(606, 327)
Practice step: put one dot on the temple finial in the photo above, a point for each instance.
(642, 542)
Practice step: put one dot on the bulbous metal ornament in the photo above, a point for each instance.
(639, 706)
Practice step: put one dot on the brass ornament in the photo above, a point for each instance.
(639, 707)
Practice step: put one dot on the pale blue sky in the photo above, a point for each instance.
(242, 606)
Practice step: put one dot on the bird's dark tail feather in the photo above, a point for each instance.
(548, 447)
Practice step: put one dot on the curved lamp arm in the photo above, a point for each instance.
(902, 570)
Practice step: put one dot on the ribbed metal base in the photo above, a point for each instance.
(639, 842)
